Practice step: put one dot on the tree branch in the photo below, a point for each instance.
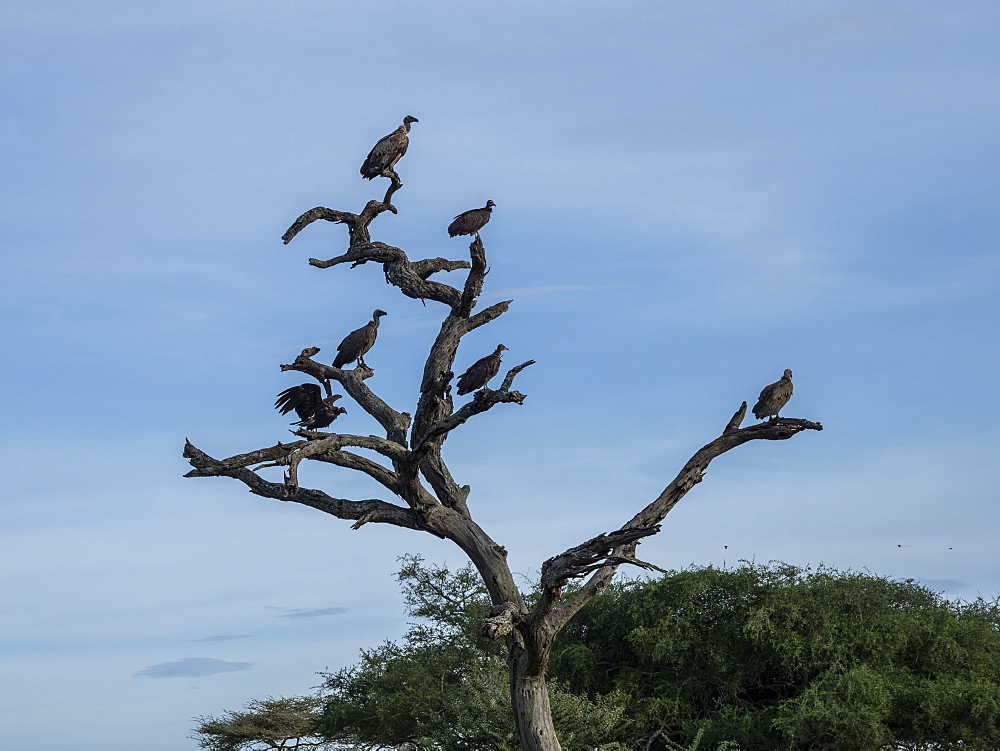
(399, 271)
(482, 400)
(474, 281)
(371, 510)
(653, 514)
(357, 224)
(327, 447)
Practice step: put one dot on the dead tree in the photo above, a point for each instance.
(407, 462)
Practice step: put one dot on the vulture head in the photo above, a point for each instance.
(788, 374)
(409, 119)
(501, 348)
(378, 314)
(490, 204)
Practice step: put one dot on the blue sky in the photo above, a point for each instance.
(691, 198)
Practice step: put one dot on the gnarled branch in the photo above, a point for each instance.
(399, 271)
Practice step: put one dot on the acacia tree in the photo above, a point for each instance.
(408, 463)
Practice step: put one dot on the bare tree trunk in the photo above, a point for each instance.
(530, 696)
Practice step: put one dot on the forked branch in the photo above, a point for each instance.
(482, 400)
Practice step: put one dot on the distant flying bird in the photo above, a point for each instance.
(358, 342)
(480, 372)
(774, 397)
(307, 400)
(471, 221)
(384, 154)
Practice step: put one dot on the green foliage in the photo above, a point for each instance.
(759, 658)
(264, 724)
(445, 686)
(776, 657)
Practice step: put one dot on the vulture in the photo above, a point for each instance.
(313, 410)
(471, 221)
(774, 397)
(480, 372)
(358, 342)
(384, 155)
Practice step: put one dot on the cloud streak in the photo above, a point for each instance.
(223, 637)
(192, 667)
(306, 614)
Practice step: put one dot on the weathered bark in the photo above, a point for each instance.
(530, 698)
(407, 462)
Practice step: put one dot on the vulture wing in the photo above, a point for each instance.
(306, 400)
(313, 410)
(470, 222)
(772, 399)
(385, 154)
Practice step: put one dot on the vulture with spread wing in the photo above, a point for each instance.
(313, 410)
(480, 372)
(358, 342)
(774, 397)
(389, 150)
(471, 221)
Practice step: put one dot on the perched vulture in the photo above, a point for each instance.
(480, 372)
(313, 410)
(358, 342)
(471, 221)
(384, 155)
(774, 397)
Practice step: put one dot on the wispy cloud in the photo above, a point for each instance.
(223, 637)
(192, 667)
(299, 613)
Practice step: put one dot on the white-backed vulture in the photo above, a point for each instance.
(389, 150)
(774, 397)
(358, 342)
